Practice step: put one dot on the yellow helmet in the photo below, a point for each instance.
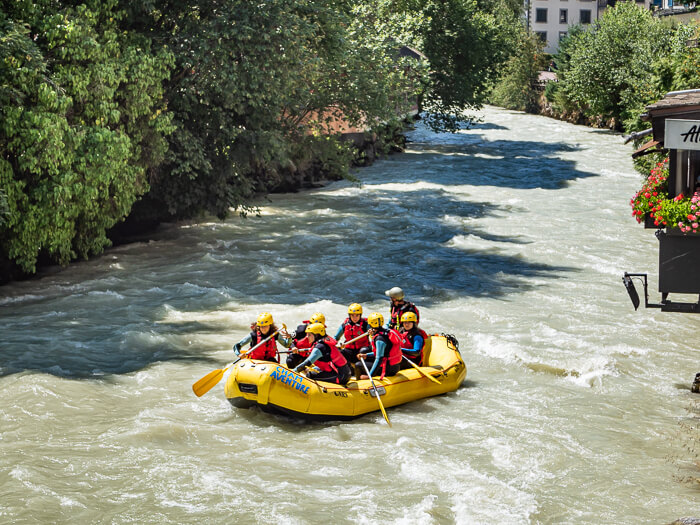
(316, 328)
(318, 317)
(375, 320)
(409, 316)
(265, 319)
(355, 308)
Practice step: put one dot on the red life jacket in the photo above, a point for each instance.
(351, 331)
(267, 351)
(393, 341)
(398, 311)
(408, 341)
(304, 346)
(331, 359)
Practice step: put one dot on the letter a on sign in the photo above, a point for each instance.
(682, 134)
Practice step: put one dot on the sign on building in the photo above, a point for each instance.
(682, 134)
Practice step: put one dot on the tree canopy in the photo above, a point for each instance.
(175, 109)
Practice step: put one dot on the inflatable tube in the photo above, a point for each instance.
(275, 388)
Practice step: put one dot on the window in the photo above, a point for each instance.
(541, 15)
(562, 34)
(563, 16)
(585, 16)
(542, 35)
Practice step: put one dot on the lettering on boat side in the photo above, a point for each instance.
(287, 377)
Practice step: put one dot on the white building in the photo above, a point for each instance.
(551, 19)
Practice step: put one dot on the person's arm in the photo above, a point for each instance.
(340, 332)
(240, 344)
(417, 346)
(313, 356)
(380, 348)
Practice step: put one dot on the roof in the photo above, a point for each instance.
(547, 76)
(646, 148)
(676, 99)
(405, 51)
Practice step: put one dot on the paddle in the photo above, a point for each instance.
(421, 371)
(381, 405)
(346, 343)
(208, 382)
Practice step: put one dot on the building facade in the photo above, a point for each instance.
(551, 19)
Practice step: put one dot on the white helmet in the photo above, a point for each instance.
(395, 293)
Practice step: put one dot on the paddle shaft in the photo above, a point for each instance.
(273, 334)
(346, 343)
(421, 371)
(381, 405)
(209, 381)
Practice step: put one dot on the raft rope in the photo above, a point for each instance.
(452, 340)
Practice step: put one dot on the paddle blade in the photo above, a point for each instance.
(208, 382)
(381, 405)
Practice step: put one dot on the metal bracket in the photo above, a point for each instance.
(380, 389)
(665, 305)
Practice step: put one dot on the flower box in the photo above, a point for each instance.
(679, 260)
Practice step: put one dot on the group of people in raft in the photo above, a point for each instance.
(385, 349)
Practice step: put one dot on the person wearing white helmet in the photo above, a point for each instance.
(399, 306)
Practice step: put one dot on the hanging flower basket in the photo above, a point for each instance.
(653, 205)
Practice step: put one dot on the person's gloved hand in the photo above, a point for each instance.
(237, 349)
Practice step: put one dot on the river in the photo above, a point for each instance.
(512, 235)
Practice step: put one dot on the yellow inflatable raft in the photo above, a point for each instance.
(275, 388)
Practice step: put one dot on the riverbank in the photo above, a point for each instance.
(148, 214)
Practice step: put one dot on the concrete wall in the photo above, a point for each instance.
(559, 15)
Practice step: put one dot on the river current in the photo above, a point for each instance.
(512, 235)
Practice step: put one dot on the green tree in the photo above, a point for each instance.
(612, 64)
(82, 121)
(517, 87)
(465, 47)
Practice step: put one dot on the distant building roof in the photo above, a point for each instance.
(547, 76)
(405, 51)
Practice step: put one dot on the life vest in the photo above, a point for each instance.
(300, 340)
(331, 359)
(408, 341)
(398, 311)
(266, 351)
(352, 330)
(393, 341)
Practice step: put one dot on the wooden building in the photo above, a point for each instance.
(675, 122)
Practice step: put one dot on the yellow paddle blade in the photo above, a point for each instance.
(381, 405)
(208, 382)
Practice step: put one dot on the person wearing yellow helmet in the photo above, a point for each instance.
(414, 340)
(353, 326)
(333, 367)
(260, 330)
(399, 306)
(385, 357)
(301, 347)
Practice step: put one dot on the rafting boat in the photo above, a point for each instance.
(275, 388)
